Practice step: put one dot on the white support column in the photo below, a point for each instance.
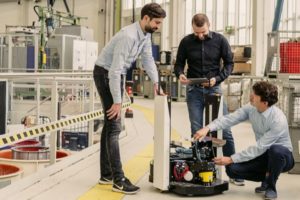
(177, 10)
(9, 54)
(194, 7)
(53, 135)
(248, 21)
(214, 15)
(297, 15)
(38, 99)
(236, 21)
(258, 40)
(109, 16)
(225, 17)
(204, 6)
(165, 35)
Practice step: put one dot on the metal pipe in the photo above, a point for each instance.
(67, 7)
(277, 15)
(133, 11)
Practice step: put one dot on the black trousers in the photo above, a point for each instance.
(274, 161)
(110, 161)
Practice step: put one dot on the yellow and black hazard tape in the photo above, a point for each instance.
(9, 139)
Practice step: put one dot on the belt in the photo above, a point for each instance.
(200, 86)
(100, 69)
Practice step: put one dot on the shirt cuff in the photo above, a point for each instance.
(218, 79)
(117, 99)
(179, 73)
(212, 127)
(235, 158)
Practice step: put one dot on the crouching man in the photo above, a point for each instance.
(272, 153)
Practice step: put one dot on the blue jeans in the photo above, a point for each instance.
(110, 161)
(195, 103)
(274, 161)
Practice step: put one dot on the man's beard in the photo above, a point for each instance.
(149, 29)
(201, 39)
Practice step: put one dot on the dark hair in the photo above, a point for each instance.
(153, 10)
(200, 19)
(267, 92)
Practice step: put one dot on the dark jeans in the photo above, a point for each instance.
(195, 103)
(274, 161)
(110, 161)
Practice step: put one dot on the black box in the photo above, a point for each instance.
(74, 141)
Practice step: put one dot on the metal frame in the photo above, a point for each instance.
(272, 68)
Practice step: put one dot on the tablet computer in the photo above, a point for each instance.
(195, 81)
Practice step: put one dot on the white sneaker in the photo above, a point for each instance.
(238, 182)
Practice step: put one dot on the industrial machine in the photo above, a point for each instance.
(50, 19)
(185, 171)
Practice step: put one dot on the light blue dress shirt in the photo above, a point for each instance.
(270, 128)
(121, 51)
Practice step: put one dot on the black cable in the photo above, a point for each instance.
(36, 12)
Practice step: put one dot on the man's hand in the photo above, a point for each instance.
(183, 79)
(211, 83)
(158, 92)
(200, 134)
(114, 111)
(223, 160)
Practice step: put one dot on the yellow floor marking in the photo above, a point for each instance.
(134, 169)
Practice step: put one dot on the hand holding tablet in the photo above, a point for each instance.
(196, 81)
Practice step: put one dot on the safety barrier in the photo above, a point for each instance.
(9, 139)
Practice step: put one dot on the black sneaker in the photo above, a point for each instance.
(105, 181)
(125, 186)
(270, 194)
(262, 188)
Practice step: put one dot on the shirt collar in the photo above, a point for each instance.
(210, 35)
(141, 34)
(267, 112)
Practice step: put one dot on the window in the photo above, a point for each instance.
(220, 15)
(231, 12)
(209, 10)
(188, 16)
(127, 4)
(242, 13)
(198, 4)
(242, 36)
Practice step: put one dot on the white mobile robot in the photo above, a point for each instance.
(185, 171)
